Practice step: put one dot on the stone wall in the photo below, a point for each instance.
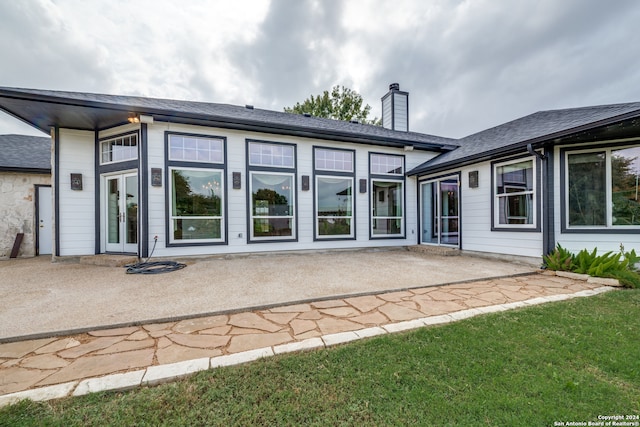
(17, 211)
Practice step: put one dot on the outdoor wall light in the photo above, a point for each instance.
(76, 181)
(139, 118)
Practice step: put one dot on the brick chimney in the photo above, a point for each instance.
(395, 109)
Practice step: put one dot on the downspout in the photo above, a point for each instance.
(548, 232)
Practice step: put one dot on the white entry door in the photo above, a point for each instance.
(45, 213)
(440, 218)
(121, 216)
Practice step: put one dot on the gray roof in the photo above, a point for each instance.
(535, 128)
(24, 153)
(46, 108)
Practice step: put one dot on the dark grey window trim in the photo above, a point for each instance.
(563, 192)
(56, 169)
(458, 175)
(400, 178)
(276, 169)
(330, 173)
(97, 194)
(143, 183)
(538, 205)
(199, 165)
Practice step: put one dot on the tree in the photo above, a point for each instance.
(341, 104)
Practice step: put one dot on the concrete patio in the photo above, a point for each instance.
(148, 354)
(40, 299)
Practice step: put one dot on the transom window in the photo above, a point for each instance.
(602, 188)
(514, 203)
(265, 154)
(190, 148)
(119, 149)
(386, 164)
(333, 160)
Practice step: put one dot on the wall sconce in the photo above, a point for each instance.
(76, 181)
(139, 118)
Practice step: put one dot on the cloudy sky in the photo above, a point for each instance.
(467, 64)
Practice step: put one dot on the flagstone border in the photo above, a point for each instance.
(170, 372)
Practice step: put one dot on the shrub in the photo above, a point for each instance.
(560, 259)
(621, 265)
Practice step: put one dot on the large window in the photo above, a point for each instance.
(272, 189)
(514, 202)
(602, 188)
(387, 195)
(334, 193)
(387, 219)
(119, 149)
(196, 189)
(196, 205)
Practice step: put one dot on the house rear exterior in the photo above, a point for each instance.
(175, 178)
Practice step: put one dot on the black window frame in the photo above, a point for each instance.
(271, 169)
(400, 177)
(333, 174)
(172, 164)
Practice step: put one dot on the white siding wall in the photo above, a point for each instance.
(237, 199)
(578, 241)
(400, 111)
(386, 112)
(475, 210)
(77, 208)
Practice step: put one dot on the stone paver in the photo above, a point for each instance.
(247, 342)
(365, 303)
(93, 366)
(253, 321)
(104, 359)
(21, 348)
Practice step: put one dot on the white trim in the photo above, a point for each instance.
(532, 192)
(111, 140)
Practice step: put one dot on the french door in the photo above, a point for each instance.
(121, 216)
(440, 216)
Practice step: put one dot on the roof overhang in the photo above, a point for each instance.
(615, 128)
(45, 112)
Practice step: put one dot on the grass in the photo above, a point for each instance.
(560, 362)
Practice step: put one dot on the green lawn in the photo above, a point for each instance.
(562, 362)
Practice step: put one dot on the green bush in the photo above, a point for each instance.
(621, 265)
(560, 259)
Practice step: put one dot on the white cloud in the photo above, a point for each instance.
(468, 65)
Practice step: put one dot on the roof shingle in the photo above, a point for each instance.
(24, 152)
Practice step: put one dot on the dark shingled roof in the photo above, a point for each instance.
(44, 108)
(24, 153)
(534, 128)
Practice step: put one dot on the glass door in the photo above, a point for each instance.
(440, 219)
(121, 214)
